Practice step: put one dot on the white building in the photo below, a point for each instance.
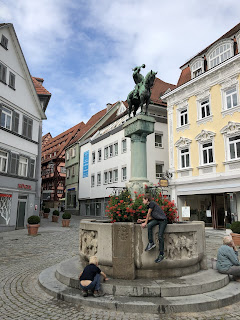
(21, 115)
(105, 158)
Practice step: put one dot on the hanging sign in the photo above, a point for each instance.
(85, 164)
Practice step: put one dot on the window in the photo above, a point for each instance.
(220, 54)
(205, 109)
(185, 157)
(105, 177)
(3, 73)
(115, 175)
(197, 68)
(62, 169)
(234, 147)
(207, 152)
(67, 155)
(68, 173)
(93, 207)
(124, 145)
(159, 170)
(124, 173)
(110, 150)
(32, 168)
(116, 148)
(6, 118)
(73, 171)
(110, 180)
(3, 161)
(22, 169)
(99, 154)
(92, 180)
(73, 152)
(93, 157)
(11, 80)
(4, 42)
(231, 98)
(99, 179)
(183, 117)
(27, 127)
(158, 140)
(105, 153)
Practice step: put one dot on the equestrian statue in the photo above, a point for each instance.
(141, 93)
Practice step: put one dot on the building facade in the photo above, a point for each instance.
(204, 133)
(21, 115)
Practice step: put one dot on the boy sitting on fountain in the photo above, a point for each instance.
(155, 216)
(90, 278)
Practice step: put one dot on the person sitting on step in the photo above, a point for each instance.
(155, 216)
(90, 278)
(227, 259)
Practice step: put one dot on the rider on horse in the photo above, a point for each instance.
(138, 79)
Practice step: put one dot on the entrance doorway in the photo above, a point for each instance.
(21, 214)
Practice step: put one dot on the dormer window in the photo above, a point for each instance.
(197, 68)
(4, 42)
(220, 54)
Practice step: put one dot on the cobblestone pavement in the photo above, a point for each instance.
(22, 258)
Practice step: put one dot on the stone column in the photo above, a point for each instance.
(137, 129)
(123, 250)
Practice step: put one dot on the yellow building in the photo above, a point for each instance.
(204, 133)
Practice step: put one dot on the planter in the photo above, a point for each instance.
(236, 238)
(65, 222)
(45, 215)
(33, 229)
(55, 218)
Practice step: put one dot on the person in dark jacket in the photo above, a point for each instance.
(90, 278)
(155, 216)
(227, 259)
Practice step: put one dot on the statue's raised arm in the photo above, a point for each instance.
(137, 76)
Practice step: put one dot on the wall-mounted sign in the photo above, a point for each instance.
(163, 183)
(24, 186)
(208, 213)
(85, 164)
(186, 212)
(5, 195)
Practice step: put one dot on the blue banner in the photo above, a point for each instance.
(85, 164)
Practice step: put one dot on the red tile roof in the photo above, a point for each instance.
(39, 87)
(158, 89)
(185, 76)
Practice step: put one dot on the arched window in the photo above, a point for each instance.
(220, 54)
(197, 68)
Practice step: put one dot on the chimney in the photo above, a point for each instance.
(109, 106)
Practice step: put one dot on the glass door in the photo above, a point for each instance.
(21, 214)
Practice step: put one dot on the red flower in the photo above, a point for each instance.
(121, 201)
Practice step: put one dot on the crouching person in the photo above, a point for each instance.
(227, 259)
(90, 278)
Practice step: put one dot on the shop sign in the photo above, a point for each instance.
(163, 183)
(5, 195)
(24, 186)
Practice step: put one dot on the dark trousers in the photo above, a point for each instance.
(94, 285)
(162, 226)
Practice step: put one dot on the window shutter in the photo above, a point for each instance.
(9, 162)
(4, 69)
(14, 162)
(24, 129)
(29, 131)
(15, 121)
(0, 113)
(31, 168)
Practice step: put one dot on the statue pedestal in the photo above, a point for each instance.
(137, 129)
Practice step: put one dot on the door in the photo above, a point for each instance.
(21, 214)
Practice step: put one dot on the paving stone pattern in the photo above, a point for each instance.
(22, 258)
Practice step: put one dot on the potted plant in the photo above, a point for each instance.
(33, 225)
(46, 213)
(66, 219)
(235, 227)
(55, 216)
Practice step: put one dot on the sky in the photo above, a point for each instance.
(85, 50)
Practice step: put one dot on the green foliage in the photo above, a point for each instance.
(33, 220)
(235, 227)
(66, 216)
(55, 213)
(46, 210)
(123, 209)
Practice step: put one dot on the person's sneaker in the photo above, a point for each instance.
(159, 258)
(150, 246)
(97, 294)
(85, 294)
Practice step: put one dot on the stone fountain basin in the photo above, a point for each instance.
(185, 248)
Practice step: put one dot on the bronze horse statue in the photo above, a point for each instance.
(136, 100)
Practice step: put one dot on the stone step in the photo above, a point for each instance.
(203, 281)
(154, 305)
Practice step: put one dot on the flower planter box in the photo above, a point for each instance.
(65, 222)
(55, 218)
(236, 238)
(45, 215)
(33, 229)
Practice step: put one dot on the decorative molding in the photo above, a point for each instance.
(203, 94)
(183, 142)
(205, 136)
(205, 120)
(182, 105)
(230, 111)
(182, 128)
(231, 128)
(227, 83)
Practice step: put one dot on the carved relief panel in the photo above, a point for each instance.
(89, 242)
